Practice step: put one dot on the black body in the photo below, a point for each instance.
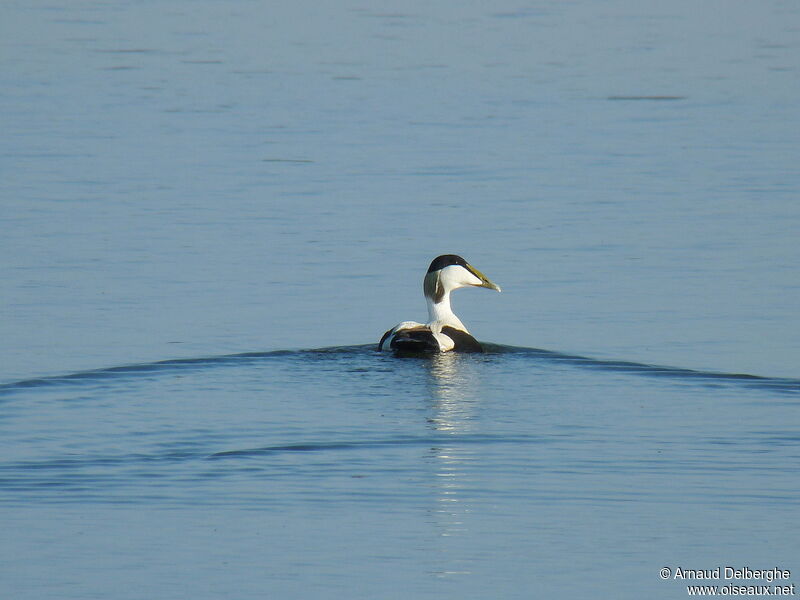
(420, 340)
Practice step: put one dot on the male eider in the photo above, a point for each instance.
(444, 332)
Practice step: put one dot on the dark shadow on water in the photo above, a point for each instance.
(773, 384)
(647, 98)
(431, 440)
(780, 384)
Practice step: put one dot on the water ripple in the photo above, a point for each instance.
(368, 444)
(777, 384)
(782, 385)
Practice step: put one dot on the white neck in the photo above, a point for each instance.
(441, 314)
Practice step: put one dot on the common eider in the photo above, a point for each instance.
(444, 332)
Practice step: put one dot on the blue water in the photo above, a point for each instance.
(344, 471)
(212, 211)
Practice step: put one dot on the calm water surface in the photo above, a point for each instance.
(348, 472)
(196, 195)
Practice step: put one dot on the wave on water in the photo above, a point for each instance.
(429, 440)
(782, 385)
(778, 384)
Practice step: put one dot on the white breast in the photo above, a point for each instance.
(445, 342)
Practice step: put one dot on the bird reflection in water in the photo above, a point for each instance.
(454, 387)
(454, 398)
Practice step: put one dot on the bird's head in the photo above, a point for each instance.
(449, 272)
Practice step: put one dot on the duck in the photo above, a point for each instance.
(444, 331)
